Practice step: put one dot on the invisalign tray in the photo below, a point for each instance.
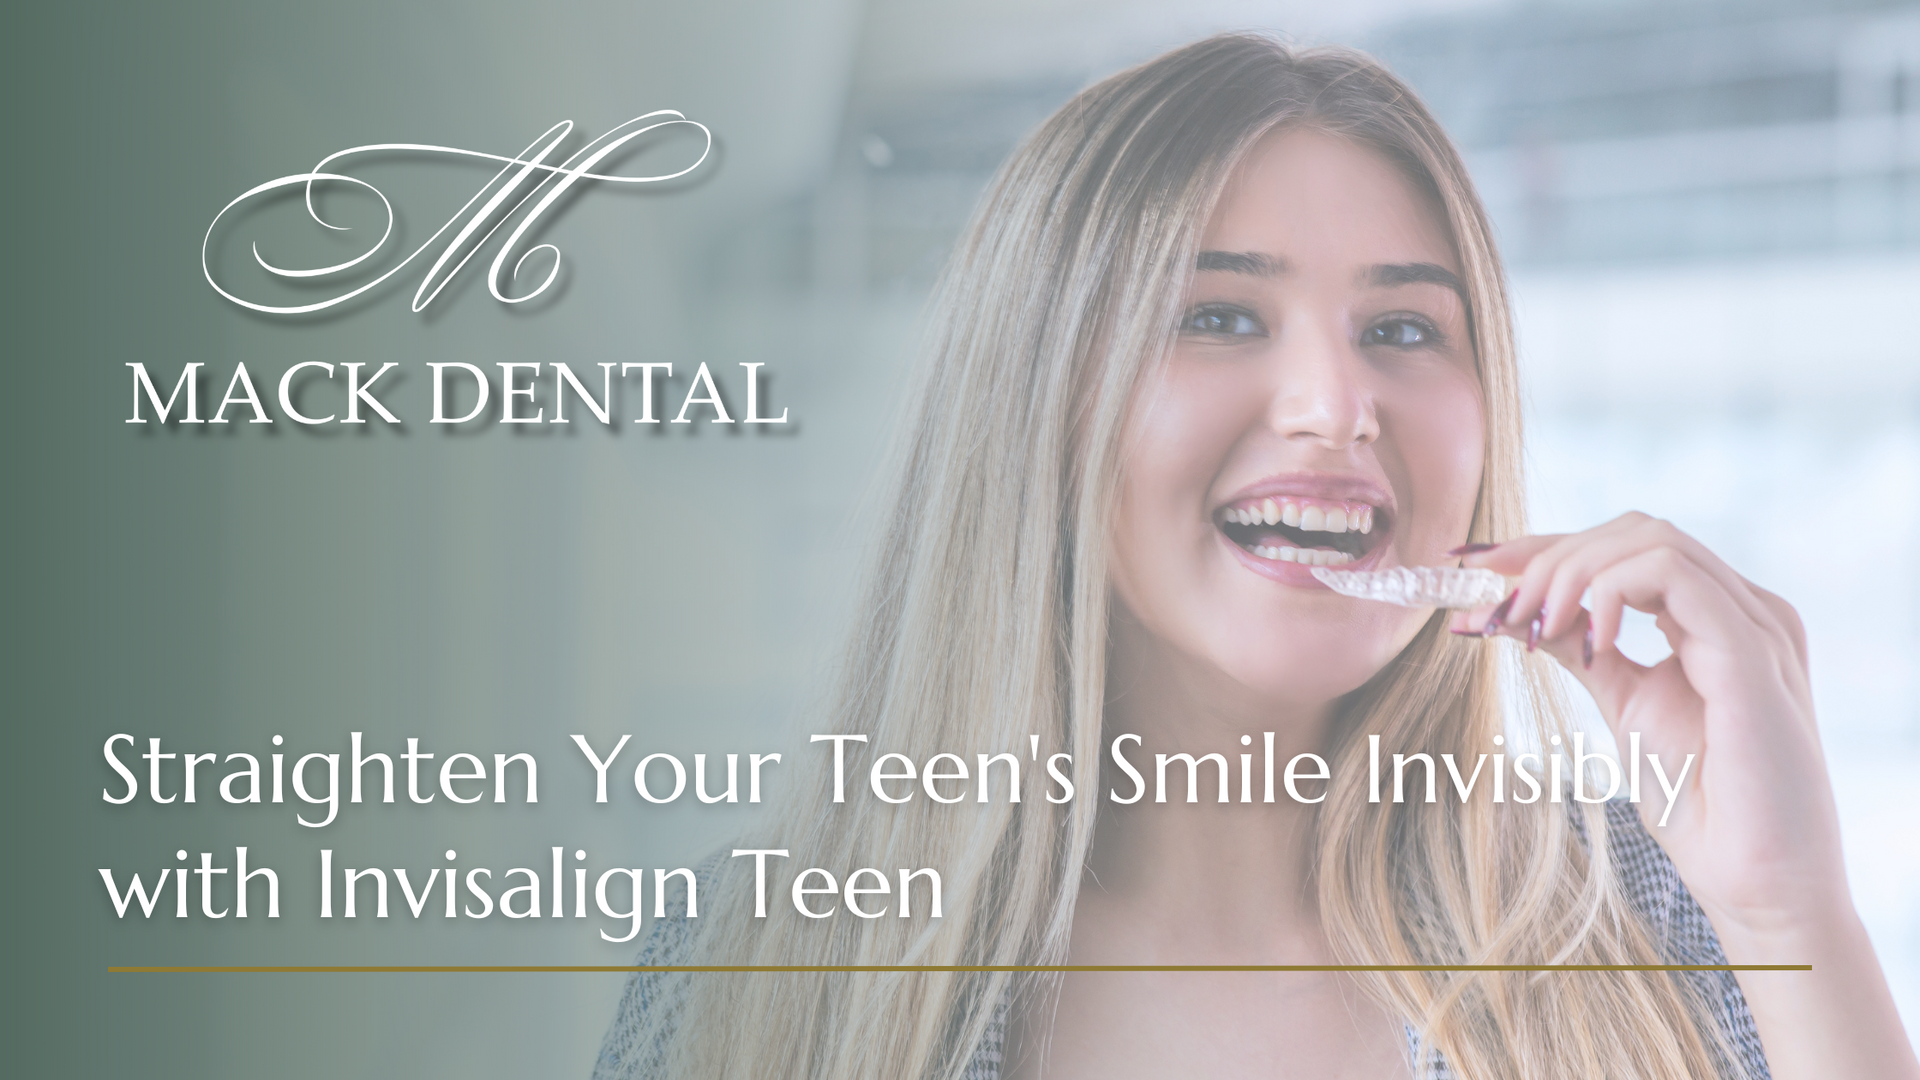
(1418, 586)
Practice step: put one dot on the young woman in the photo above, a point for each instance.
(1225, 316)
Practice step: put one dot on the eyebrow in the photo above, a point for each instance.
(1387, 275)
(1252, 263)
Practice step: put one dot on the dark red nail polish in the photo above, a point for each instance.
(1500, 613)
(1586, 649)
(1472, 549)
(1533, 633)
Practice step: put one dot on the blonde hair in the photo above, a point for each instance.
(985, 621)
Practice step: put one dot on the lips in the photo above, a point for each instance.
(1282, 529)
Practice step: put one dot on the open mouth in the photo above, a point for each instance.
(1310, 532)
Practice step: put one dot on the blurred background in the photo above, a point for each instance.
(1710, 210)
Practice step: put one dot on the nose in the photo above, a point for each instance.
(1321, 393)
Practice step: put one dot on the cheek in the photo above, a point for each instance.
(1441, 441)
(1183, 434)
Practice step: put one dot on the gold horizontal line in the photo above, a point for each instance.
(920, 968)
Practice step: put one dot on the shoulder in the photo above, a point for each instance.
(1679, 927)
(1653, 886)
(650, 1003)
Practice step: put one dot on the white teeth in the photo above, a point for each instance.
(1304, 556)
(1308, 518)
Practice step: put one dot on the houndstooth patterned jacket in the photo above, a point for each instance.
(1679, 928)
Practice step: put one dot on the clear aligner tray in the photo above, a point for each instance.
(1418, 586)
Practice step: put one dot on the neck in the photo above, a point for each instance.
(1235, 876)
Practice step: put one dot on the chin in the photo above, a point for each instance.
(1312, 662)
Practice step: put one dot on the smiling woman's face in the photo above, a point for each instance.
(1321, 407)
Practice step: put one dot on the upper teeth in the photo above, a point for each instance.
(1307, 517)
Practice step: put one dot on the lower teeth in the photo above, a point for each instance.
(1304, 556)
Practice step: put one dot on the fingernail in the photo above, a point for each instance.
(1500, 613)
(1586, 648)
(1472, 549)
(1465, 633)
(1533, 633)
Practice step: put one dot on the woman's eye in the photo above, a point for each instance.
(1215, 320)
(1401, 333)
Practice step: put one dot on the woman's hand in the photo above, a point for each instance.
(1753, 830)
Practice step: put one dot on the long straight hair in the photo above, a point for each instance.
(984, 621)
